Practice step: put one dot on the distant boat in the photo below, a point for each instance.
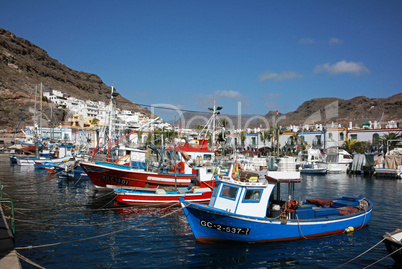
(393, 243)
(337, 161)
(310, 162)
(70, 170)
(251, 211)
(165, 196)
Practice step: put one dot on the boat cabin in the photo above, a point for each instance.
(243, 198)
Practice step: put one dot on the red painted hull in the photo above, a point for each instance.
(155, 199)
(120, 175)
(50, 170)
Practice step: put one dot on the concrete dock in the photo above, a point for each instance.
(8, 256)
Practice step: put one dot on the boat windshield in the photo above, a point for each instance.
(229, 192)
(252, 196)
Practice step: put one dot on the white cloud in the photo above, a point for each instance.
(342, 67)
(279, 76)
(228, 94)
(305, 41)
(335, 41)
(205, 100)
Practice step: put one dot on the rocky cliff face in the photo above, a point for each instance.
(356, 110)
(24, 65)
(320, 111)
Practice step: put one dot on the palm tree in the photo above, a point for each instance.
(242, 138)
(266, 135)
(348, 144)
(296, 138)
(224, 123)
(389, 141)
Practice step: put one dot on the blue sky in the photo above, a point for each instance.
(268, 55)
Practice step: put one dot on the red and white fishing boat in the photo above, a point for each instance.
(103, 174)
(164, 196)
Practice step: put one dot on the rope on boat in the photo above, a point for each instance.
(101, 235)
(28, 260)
(358, 256)
(298, 223)
(78, 180)
(65, 225)
(384, 257)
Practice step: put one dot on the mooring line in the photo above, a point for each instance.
(360, 254)
(113, 198)
(98, 236)
(383, 258)
(65, 225)
(28, 260)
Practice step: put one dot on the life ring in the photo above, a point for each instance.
(236, 172)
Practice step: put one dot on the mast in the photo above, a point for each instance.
(41, 110)
(36, 126)
(110, 124)
(216, 112)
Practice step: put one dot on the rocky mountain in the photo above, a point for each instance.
(24, 65)
(317, 111)
(356, 110)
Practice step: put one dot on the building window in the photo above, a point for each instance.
(330, 136)
(376, 138)
(341, 137)
(253, 141)
(353, 136)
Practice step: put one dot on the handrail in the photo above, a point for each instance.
(8, 200)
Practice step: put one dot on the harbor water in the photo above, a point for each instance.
(68, 224)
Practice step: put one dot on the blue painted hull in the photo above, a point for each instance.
(213, 225)
(76, 173)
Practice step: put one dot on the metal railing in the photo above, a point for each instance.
(8, 200)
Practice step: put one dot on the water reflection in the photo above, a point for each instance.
(50, 210)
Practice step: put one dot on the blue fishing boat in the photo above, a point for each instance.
(70, 170)
(250, 209)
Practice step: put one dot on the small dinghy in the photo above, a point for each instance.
(393, 243)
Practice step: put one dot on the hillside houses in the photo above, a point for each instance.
(90, 113)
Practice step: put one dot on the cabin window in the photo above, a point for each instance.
(229, 192)
(252, 196)
(207, 157)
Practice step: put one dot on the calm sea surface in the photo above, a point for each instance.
(70, 225)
